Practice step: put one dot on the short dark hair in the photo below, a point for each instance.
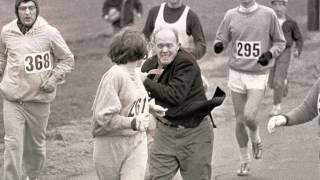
(128, 45)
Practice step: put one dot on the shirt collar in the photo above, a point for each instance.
(250, 9)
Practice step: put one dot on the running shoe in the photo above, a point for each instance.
(28, 178)
(257, 150)
(244, 169)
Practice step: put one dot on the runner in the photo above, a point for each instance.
(121, 112)
(256, 38)
(34, 58)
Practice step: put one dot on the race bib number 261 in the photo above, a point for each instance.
(37, 62)
(248, 49)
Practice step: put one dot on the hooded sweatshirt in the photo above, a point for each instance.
(27, 60)
(21, 26)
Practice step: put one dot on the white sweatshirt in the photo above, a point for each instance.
(27, 60)
(120, 96)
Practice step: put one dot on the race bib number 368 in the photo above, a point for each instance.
(248, 49)
(37, 62)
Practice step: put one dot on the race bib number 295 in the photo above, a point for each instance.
(248, 49)
(37, 62)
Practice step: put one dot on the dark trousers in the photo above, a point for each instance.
(187, 149)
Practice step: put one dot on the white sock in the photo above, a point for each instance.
(255, 135)
(277, 106)
(244, 155)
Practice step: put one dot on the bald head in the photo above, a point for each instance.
(165, 33)
(166, 43)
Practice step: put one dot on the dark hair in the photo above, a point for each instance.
(18, 2)
(128, 45)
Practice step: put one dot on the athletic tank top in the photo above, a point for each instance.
(180, 25)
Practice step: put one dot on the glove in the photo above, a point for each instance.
(265, 58)
(49, 85)
(113, 15)
(218, 47)
(276, 121)
(140, 122)
(157, 110)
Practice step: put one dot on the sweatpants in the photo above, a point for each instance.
(120, 157)
(278, 75)
(25, 133)
(187, 149)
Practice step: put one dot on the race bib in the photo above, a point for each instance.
(37, 62)
(248, 49)
(138, 107)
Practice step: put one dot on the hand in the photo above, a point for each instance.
(296, 53)
(218, 47)
(143, 76)
(140, 122)
(157, 110)
(49, 85)
(276, 121)
(155, 72)
(138, 15)
(106, 17)
(265, 58)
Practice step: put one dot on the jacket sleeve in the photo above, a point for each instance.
(297, 37)
(3, 54)
(107, 106)
(63, 56)
(178, 87)
(196, 31)
(308, 109)
(278, 42)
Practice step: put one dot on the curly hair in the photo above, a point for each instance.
(128, 45)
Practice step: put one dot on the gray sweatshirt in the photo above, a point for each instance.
(309, 109)
(251, 34)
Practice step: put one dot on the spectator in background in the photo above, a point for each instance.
(256, 38)
(278, 75)
(121, 112)
(121, 13)
(34, 58)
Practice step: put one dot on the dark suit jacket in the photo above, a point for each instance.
(180, 89)
(292, 33)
